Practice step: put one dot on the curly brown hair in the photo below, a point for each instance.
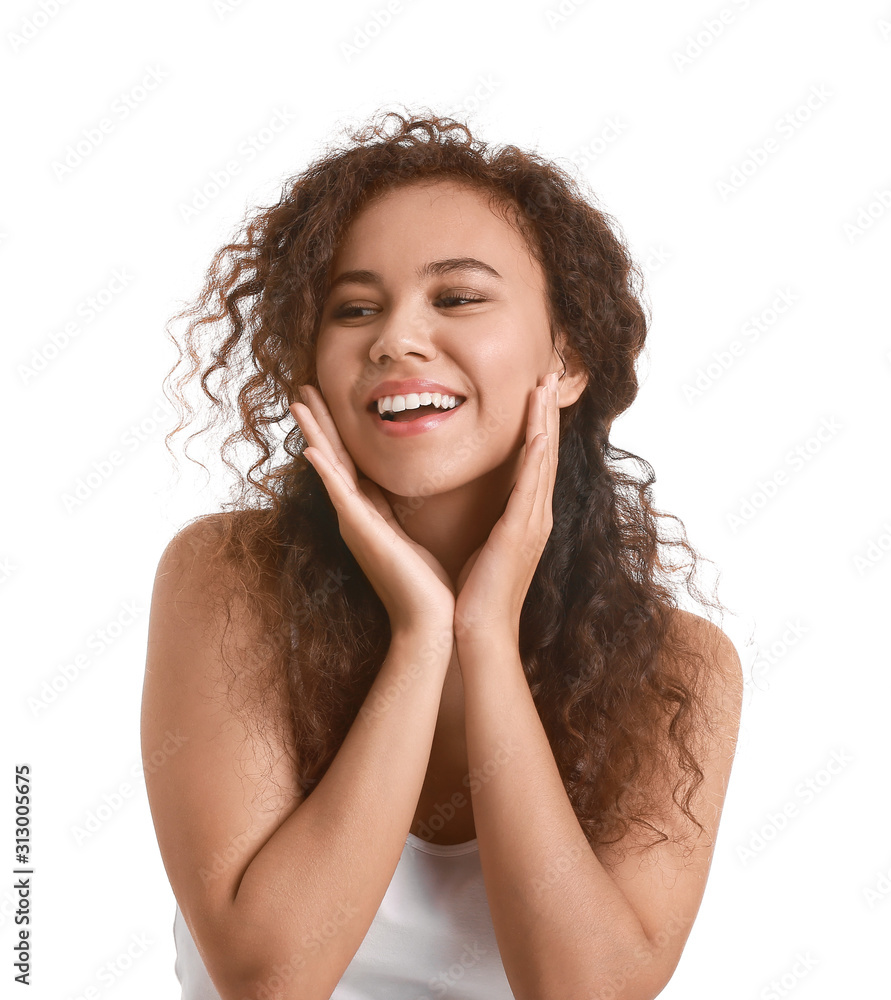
(608, 669)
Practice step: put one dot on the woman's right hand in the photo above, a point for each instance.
(412, 584)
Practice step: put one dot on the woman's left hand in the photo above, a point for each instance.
(493, 583)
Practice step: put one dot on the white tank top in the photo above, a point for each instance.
(431, 937)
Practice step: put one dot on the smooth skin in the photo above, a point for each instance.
(485, 336)
(448, 525)
(411, 582)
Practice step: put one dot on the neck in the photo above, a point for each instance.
(452, 525)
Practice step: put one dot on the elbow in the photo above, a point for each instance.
(244, 965)
(264, 983)
(281, 981)
(277, 982)
(241, 975)
(284, 977)
(630, 975)
(238, 976)
(638, 976)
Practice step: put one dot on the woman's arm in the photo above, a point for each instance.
(260, 875)
(570, 921)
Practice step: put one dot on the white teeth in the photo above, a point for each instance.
(412, 400)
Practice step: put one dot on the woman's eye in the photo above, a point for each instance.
(349, 312)
(461, 298)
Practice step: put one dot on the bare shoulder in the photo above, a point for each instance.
(199, 544)
(189, 561)
(205, 600)
(233, 778)
(721, 681)
(201, 561)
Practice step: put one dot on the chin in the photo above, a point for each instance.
(412, 489)
(415, 483)
(413, 486)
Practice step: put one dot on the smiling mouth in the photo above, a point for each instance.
(415, 413)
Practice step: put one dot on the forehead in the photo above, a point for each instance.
(434, 219)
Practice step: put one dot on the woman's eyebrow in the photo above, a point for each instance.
(436, 267)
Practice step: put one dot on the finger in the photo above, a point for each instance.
(538, 427)
(530, 505)
(331, 472)
(381, 504)
(318, 409)
(336, 474)
(313, 433)
(349, 500)
(336, 458)
(544, 466)
(360, 524)
(519, 517)
(315, 402)
(553, 442)
(541, 519)
(521, 503)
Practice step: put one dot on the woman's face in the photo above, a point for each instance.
(397, 309)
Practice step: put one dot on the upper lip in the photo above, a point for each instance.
(392, 388)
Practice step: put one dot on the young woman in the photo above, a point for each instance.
(444, 728)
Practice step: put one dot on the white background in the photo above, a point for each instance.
(673, 143)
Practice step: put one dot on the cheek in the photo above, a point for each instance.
(510, 361)
(325, 362)
(499, 429)
(502, 415)
(343, 372)
(334, 376)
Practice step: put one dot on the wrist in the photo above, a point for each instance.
(426, 642)
(504, 636)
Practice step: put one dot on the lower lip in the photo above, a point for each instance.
(406, 428)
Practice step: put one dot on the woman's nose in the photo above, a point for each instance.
(403, 333)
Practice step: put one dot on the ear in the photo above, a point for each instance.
(572, 383)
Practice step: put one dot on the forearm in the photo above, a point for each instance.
(330, 863)
(563, 925)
